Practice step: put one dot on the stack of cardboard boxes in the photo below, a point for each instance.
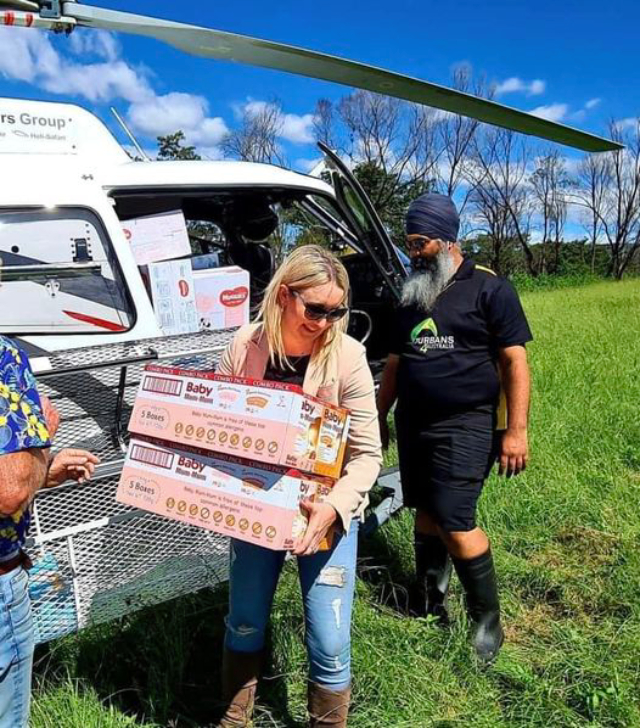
(232, 455)
(189, 294)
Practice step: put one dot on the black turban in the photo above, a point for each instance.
(434, 216)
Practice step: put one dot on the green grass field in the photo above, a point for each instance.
(566, 536)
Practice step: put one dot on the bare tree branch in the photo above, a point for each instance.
(609, 190)
(256, 137)
(550, 183)
(457, 134)
(501, 196)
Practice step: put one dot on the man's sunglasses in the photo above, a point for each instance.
(417, 243)
(316, 312)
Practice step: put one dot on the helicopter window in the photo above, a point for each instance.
(343, 240)
(297, 227)
(59, 274)
(355, 205)
(314, 220)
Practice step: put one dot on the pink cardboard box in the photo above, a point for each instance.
(222, 297)
(254, 502)
(269, 422)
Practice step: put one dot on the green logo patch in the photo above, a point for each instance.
(426, 325)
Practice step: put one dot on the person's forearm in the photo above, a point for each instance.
(516, 383)
(387, 394)
(22, 474)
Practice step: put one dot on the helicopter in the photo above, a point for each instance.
(106, 306)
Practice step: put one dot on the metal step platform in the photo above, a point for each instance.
(94, 559)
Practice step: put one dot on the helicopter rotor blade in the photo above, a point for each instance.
(244, 49)
(28, 6)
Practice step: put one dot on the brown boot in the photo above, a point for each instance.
(328, 708)
(240, 671)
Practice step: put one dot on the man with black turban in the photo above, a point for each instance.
(461, 333)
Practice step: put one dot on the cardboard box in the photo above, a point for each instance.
(249, 501)
(173, 296)
(158, 237)
(270, 422)
(222, 297)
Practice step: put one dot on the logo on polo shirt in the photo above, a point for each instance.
(425, 337)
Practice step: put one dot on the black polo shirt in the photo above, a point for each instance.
(448, 355)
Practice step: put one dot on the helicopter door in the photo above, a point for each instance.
(363, 218)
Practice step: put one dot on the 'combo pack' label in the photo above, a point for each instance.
(268, 422)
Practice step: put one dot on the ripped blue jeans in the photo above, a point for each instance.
(327, 581)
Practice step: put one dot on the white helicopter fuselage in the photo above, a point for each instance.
(68, 277)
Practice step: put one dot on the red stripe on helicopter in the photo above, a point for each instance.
(29, 20)
(9, 18)
(102, 323)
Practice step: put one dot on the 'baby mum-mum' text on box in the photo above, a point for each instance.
(269, 422)
(250, 501)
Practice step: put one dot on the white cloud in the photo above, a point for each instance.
(369, 148)
(517, 85)
(84, 41)
(628, 124)
(210, 153)
(572, 165)
(307, 165)
(298, 129)
(294, 128)
(252, 108)
(99, 82)
(552, 112)
(580, 114)
(537, 87)
(29, 56)
(19, 51)
(166, 114)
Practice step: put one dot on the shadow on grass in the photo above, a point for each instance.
(161, 664)
(382, 565)
(273, 700)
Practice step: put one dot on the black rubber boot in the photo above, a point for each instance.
(433, 571)
(478, 578)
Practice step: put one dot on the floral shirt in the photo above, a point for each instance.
(22, 426)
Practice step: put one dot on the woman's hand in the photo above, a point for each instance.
(70, 464)
(321, 517)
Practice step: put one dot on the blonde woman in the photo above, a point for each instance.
(300, 338)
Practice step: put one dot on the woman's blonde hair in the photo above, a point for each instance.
(306, 267)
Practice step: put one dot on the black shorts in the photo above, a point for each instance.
(443, 465)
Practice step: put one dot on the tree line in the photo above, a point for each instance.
(525, 207)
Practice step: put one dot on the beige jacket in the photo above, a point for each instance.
(345, 381)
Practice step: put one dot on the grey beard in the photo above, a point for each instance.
(423, 287)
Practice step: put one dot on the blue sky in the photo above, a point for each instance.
(572, 61)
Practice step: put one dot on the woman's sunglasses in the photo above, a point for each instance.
(316, 312)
